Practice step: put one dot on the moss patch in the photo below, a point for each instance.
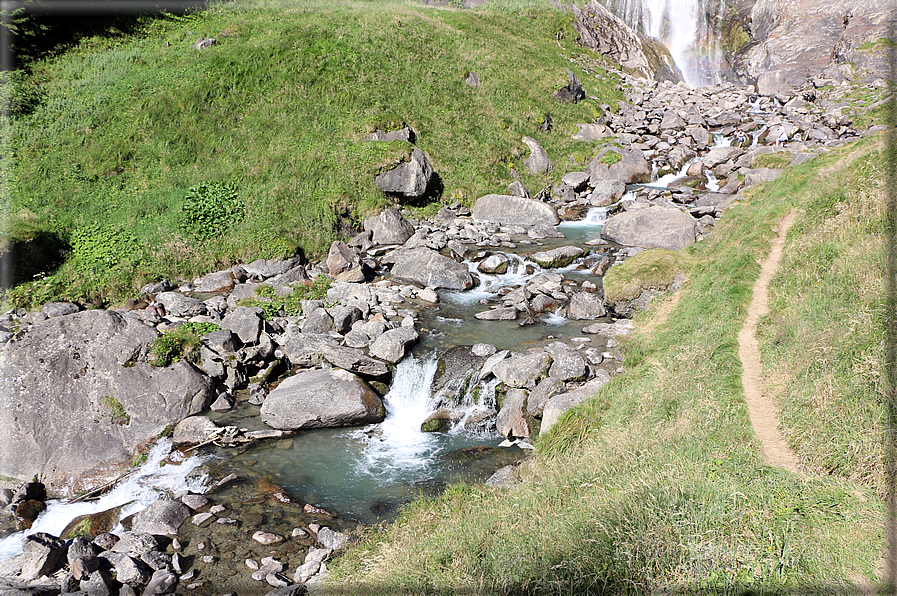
(654, 268)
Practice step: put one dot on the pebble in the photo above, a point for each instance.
(188, 576)
(299, 533)
(216, 509)
(195, 502)
(267, 538)
(226, 521)
(201, 518)
(208, 559)
(252, 564)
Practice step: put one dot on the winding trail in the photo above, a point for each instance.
(763, 412)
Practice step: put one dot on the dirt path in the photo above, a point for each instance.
(763, 412)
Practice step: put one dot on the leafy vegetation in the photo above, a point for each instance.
(209, 210)
(610, 158)
(180, 343)
(280, 306)
(777, 160)
(135, 135)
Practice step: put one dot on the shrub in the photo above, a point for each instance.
(180, 343)
(97, 248)
(210, 209)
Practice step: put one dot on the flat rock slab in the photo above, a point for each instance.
(562, 402)
(321, 399)
(653, 227)
(424, 267)
(510, 210)
(161, 517)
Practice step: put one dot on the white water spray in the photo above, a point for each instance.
(136, 492)
(682, 26)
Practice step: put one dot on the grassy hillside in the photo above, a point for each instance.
(106, 140)
(658, 483)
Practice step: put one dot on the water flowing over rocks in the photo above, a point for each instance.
(330, 365)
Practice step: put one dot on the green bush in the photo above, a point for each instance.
(210, 209)
(610, 158)
(181, 343)
(97, 248)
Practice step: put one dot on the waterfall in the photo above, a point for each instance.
(683, 27)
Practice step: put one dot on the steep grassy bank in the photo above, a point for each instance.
(106, 141)
(658, 482)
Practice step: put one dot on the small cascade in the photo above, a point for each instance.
(136, 492)
(595, 216)
(683, 27)
(520, 270)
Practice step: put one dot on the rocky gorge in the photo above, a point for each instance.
(83, 394)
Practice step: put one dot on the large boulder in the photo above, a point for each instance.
(626, 165)
(389, 227)
(511, 419)
(407, 180)
(562, 402)
(77, 398)
(390, 346)
(516, 211)
(178, 305)
(557, 257)
(537, 162)
(161, 518)
(522, 371)
(322, 398)
(427, 268)
(652, 227)
(305, 349)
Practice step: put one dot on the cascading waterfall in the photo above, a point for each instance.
(682, 26)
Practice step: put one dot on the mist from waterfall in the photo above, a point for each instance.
(683, 27)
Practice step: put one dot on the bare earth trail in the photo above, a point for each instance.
(763, 412)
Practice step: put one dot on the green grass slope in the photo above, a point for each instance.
(658, 483)
(106, 140)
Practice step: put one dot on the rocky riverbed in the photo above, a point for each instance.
(82, 397)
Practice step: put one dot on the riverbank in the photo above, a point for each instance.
(658, 481)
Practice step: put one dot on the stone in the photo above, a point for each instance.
(267, 538)
(332, 540)
(628, 166)
(408, 179)
(178, 305)
(310, 350)
(652, 227)
(389, 227)
(483, 350)
(128, 570)
(194, 502)
(560, 403)
(522, 370)
(498, 314)
(193, 430)
(161, 517)
(264, 268)
(161, 582)
(305, 571)
(495, 263)
(424, 267)
(222, 342)
(391, 345)
(504, 478)
(585, 306)
(94, 362)
(573, 92)
(224, 403)
(317, 321)
(557, 257)
(342, 258)
(219, 281)
(321, 399)
(246, 322)
(400, 134)
(511, 421)
(537, 162)
(566, 363)
(606, 192)
(59, 309)
(42, 554)
(510, 210)
(344, 317)
(202, 519)
(547, 387)
(517, 189)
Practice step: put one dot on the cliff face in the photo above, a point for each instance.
(793, 40)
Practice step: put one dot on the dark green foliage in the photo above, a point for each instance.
(97, 248)
(210, 209)
(181, 343)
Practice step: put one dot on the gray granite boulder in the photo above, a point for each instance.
(628, 166)
(389, 227)
(509, 210)
(557, 257)
(522, 370)
(391, 345)
(77, 396)
(585, 306)
(566, 363)
(408, 179)
(427, 268)
(511, 420)
(652, 227)
(246, 322)
(321, 399)
(178, 305)
(161, 518)
(537, 162)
